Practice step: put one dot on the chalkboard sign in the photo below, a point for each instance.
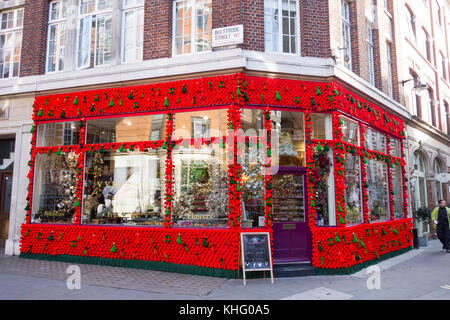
(256, 253)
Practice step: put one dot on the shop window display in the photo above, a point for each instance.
(252, 180)
(124, 187)
(378, 190)
(200, 186)
(126, 129)
(352, 181)
(397, 189)
(395, 147)
(252, 122)
(350, 131)
(57, 134)
(55, 185)
(374, 140)
(288, 129)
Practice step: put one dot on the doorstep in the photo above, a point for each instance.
(293, 269)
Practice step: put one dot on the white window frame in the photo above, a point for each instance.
(93, 18)
(60, 21)
(14, 30)
(134, 7)
(193, 30)
(280, 31)
(346, 30)
(389, 64)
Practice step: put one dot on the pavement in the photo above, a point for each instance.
(421, 274)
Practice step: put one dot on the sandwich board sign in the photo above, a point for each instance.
(256, 253)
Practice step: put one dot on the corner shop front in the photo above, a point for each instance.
(166, 176)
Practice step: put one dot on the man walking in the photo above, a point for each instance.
(441, 217)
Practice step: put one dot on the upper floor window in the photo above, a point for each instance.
(438, 14)
(424, 44)
(192, 26)
(389, 64)
(346, 36)
(447, 116)
(132, 30)
(10, 42)
(411, 23)
(370, 58)
(443, 65)
(56, 35)
(281, 26)
(95, 20)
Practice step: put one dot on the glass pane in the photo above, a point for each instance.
(350, 131)
(252, 122)
(288, 127)
(395, 147)
(352, 181)
(84, 41)
(54, 192)
(397, 188)
(377, 191)
(126, 129)
(374, 140)
(252, 187)
(200, 124)
(288, 198)
(57, 134)
(321, 180)
(124, 188)
(200, 187)
(320, 126)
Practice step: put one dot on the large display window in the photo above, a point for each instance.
(377, 190)
(200, 186)
(352, 196)
(397, 191)
(124, 187)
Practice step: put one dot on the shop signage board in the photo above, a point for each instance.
(228, 36)
(256, 253)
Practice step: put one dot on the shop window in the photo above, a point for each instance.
(322, 176)
(200, 186)
(133, 30)
(281, 26)
(378, 200)
(10, 42)
(397, 188)
(192, 26)
(57, 134)
(124, 187)
(55, 185)
(200, 124)
(350, 131)
(395, 147)
(253, 190)
(126, 129)
(374, 140)
(352, 181)
(321, 126)
(288, 129)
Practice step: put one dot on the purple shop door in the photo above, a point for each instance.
(291, 234)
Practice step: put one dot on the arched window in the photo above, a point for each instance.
(419, 184)
(438, 171)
